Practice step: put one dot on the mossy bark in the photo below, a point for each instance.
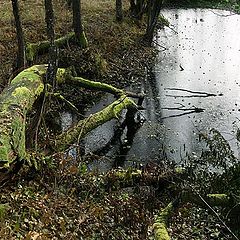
(122, 178)
(81, 40)
(80, 36)
(160, 225)
(64, 140)
(222, 200)
(15, 101)
(33, 49)
(81, 82)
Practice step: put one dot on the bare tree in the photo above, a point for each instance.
(50, 78)
(154, 8)
(138, 8)
(21, 59)
(77, 24)
(53, 58)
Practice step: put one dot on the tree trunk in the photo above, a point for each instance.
(132, 6)
(21, 59)
(77, 24)
(53, 58)
(137, 8)
(119, 10)
(154, 8)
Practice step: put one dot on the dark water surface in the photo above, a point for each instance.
(197, 68)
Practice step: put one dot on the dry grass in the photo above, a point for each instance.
(107, 37)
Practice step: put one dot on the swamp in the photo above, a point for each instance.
(119, 119)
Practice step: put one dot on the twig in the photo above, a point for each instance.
(222, 15)
(172, 29)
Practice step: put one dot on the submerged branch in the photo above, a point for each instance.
(195, 109)
(64, 140)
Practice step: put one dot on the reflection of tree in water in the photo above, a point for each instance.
(152, 102)
(132, 127)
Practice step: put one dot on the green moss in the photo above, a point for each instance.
(3, 210)
(33, 49)
(22, 92)
(18, 137)
(15, 101)
(82, 41)
(96, 85)
(160, 225)
(61, 75)
(218, 199)
(161, 232)
(64, 140)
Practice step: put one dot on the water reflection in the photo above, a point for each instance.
(201, 55)
(204, 56)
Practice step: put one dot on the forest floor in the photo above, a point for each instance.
(63, 200)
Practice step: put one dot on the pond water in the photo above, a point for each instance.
(197, 68)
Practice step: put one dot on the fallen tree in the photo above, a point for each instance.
(18, 99)
(34, 49)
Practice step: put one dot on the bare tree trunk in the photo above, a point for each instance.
(77, 24)
(53, 58)
(154, 8)
(119, 10)
(132, 6)
(21, 59)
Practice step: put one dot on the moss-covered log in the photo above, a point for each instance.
(74, 134)
(122, 178)
(160, 225)
(222, 200)
(33, 49)
(81, 82)
(15, 101)
(94, 85)
(18, 99)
